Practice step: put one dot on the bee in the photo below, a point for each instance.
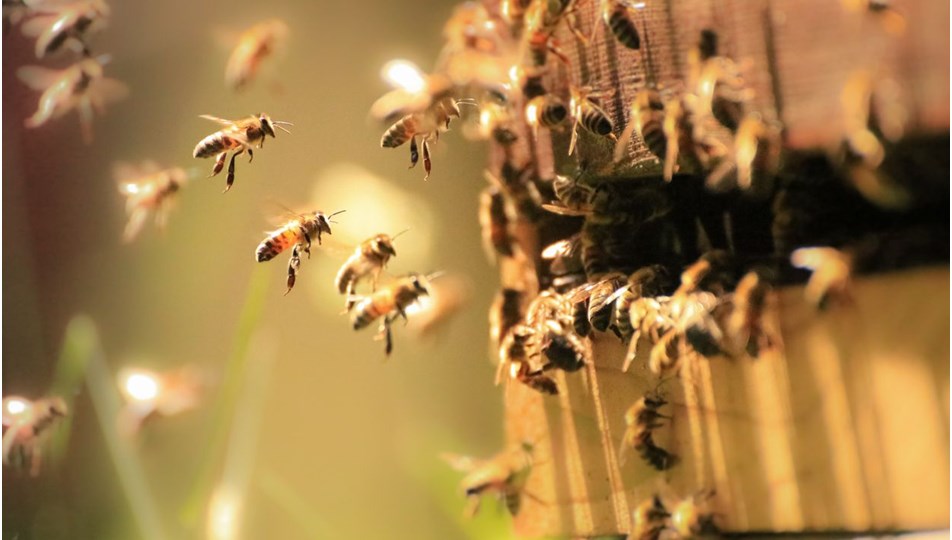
(646, 118)
(575, 198)
(58, 25)
(513, 11)
(641, 419)
(711, 271)
(370, 258)
(746, 319)
(148, 189)
(506, 312)
(414, 92)
(28, 424)
(389, 302)
(494, 223)
(236, 137)
(424, 126)
(722, 92)
(643, 282)
(649, 317)
(666, 352)
(546, 110)
(887, 16)
(562, 348)
(446, 297)
(82, 87)
(756, 156)
(649, 520)
(515, 358)
(297, 234)
(579, 297)
(694, 329)
(692, 516)
(151, 395)
(565, 264)
(832, 273)
(504, 475)
(254, 45)
(600, 303)
(616, 15)
(520, 189)
(590, 116)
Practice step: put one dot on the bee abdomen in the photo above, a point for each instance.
(364, 314)
(654, 138)
(345, 277)
(212, 145)
(623, 28)
(400, 132)
(596, 121)
(271, 246)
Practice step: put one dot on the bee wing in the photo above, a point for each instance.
(122, 171)
(222, 121)
(564, 210)
(582, 293)
(38, 78)
(461, 463)
(106, 90)
(398, 103)
(134, 225)
(35, 26)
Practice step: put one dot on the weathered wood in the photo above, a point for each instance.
(843, 428)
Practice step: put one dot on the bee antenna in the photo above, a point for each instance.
(282, 128)
(394, 237)
(334, 214)
(434, 275)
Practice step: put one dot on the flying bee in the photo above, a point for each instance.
(504, 475)
(643, 282)
(389, 302)
(148, 189)
(642, 416)
(58, 25)
(616, 15)
(446, 297)
(590, 116)
(149, 395)
(254, 45)
(82, 87)
(236, 137)
(832, 273)
(424, 126)
(414, 92)
(494, 223)
(369, 259)
(297, 234)
(746, 319)
(649, 520)
(646, 118)
(546, 110)
(722, 92)
(28, 424)
(692, 516)
(756, 156)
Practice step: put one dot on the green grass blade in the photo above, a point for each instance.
(78, 346)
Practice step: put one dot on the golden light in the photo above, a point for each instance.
(14, 407)
(532, 110)
(420, 306)
(404, 74)
(224, 512)
(139, 385)
(131, 188)
(638, 5)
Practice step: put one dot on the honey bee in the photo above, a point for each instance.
(722, 92)
(590, 116)
(446, 297)
(505, 313)
(649, 520)
(565, 264)
(600, 303)
(494, 223)
(28, 424)
(150, 395)
(646, 118)
(832, 273)
(746, 318)
(546, 110)
(370, 258)
(711, 271)
(424, 126)
(649, 317)
(643, 282)
(415, 92)
(82, 87)
(148, 189)
(516, 359)
(692, 516)
(236, 137)
(694, 329)
(58, 25)
(579, 297)
(756, 156)
(254, 45)
(575, 198)
(504, 475)
(617, 17)
(641, 419)
(389, 302)
(298, 234)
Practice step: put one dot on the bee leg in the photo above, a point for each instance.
(414, 153)
(293, 265)
(231, 170)
(251, 155)
(387, 335)
(219, 164)
(307, 238)
(426, 159)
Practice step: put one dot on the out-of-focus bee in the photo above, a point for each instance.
(756, 156)
(546, 110)
(649, 520)
(516, 361)
(55, 26)
(149, 394)
(496, 123)
(369, 259)
(574, 197)
(539, 40)
(649, 317)
(254, 45)
(617, 17)
(746, 319)
(389, 302)
(883, 11)
(415, 92)
(513, 11)
(516, 182)
(643, 282)
(298, 234)
(81, 86)
(646, 118)
(446, 297)
(565, 264)
(505, 313)
(712, 271)
(503, 475)
(148, 190)
(722, 92)
(494, 224)
(471, 28)
(237, 137)
(694, 329)
(683, 137)
(28, 424)
(579, 297)
(590, 116)
(693, 517)
(562, 347)
(641, 419)
(832, 273)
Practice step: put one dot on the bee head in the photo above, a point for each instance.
(383, 244)
(266, 124)
(420, 284)
(57, 407)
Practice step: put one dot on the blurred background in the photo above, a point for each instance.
(328, 440)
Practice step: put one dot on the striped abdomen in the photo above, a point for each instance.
(594, 119)
(549, 111)
(599, 312)
(622, 27)
(215, 144)
(650, 122)
(278, 241)
(373, 307)
(400, 132)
